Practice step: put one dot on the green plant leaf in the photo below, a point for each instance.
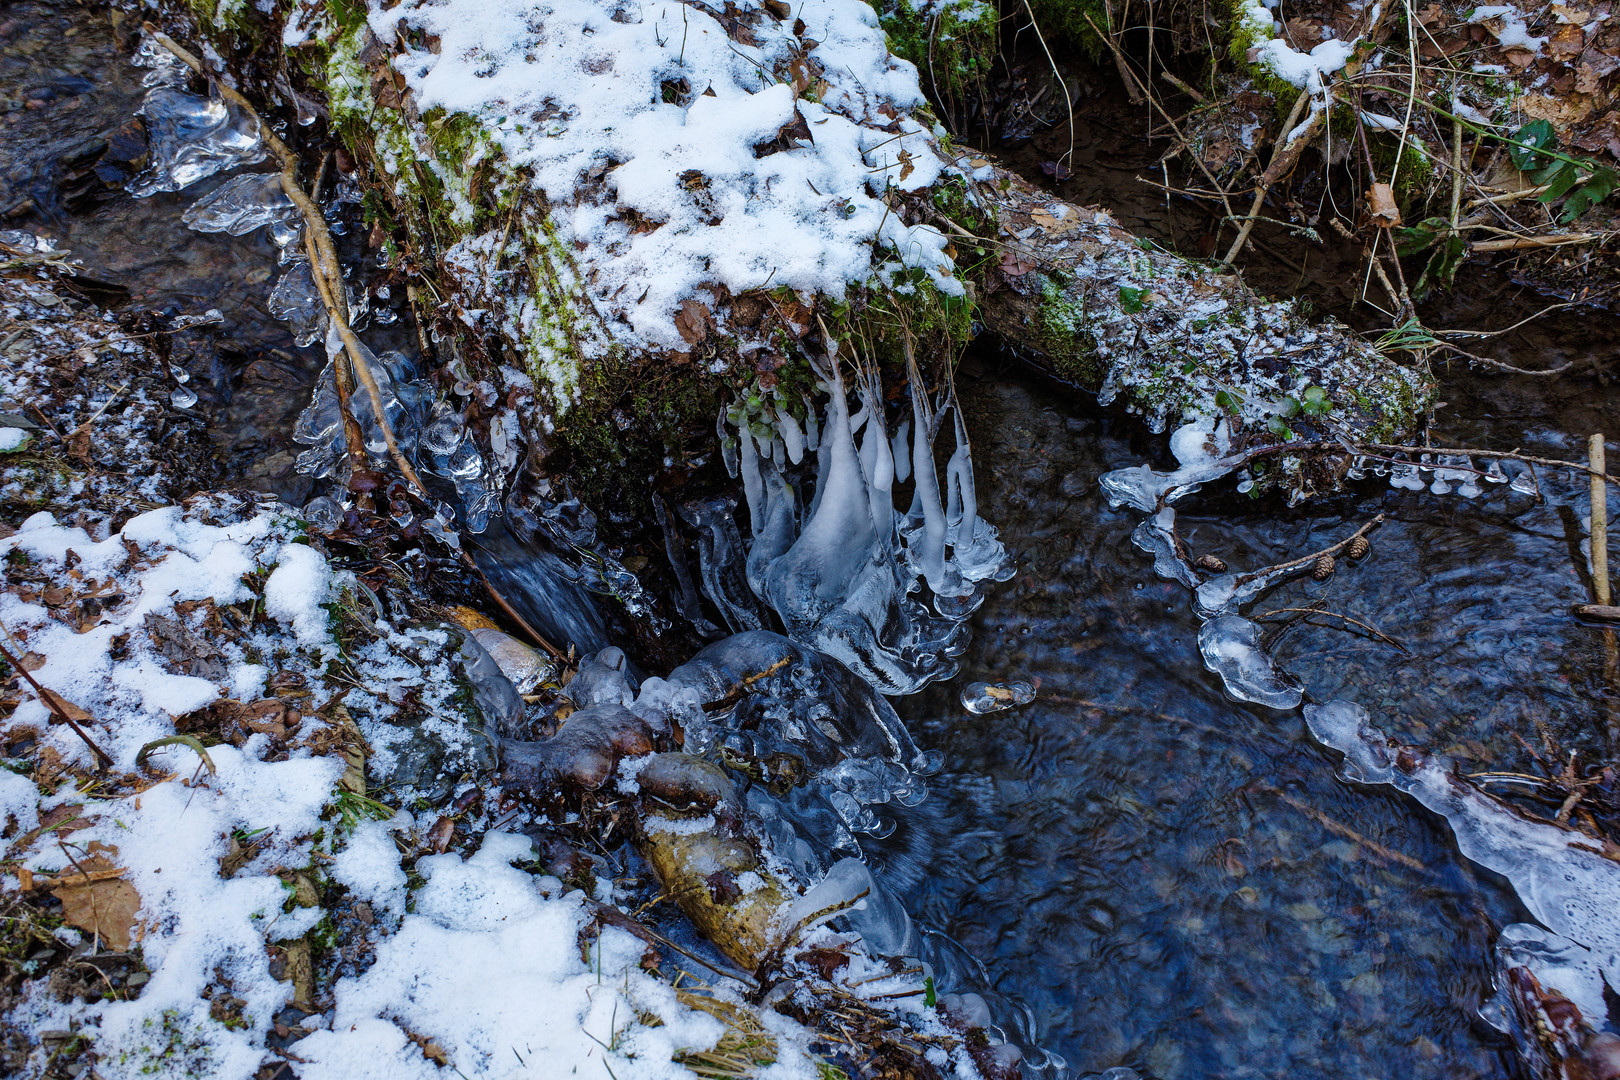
(929, 996)
(1315, 401)
(1278, 427)
(1599, 186)
(1411, 239)
(1559, 184)
(1132, 299)
(1535, 136)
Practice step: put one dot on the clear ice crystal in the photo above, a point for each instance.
(191, 137)
(297, 301)
(980, 698)
(1203, 448)
(1231, 648)
(242, 204)
(427, 428)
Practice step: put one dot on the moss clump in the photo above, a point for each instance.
(1065, 339)
(631, 422)
(953, 46)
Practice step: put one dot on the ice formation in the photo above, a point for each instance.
(244, 203)
(798, 704)
(1203, 449)
(1228, 643)
(981, 697)
(842, 573)
(426, 426)
(192, 137)
(1231, 648)
(1564, 880)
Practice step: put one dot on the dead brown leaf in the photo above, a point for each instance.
(693, 321)
(62, 706)
(1014, 265)
(1569, 13)
(1566, 42)
(1060, 224)
(30, 661)
(97, 901)
(1306, 34)
(1381, 206)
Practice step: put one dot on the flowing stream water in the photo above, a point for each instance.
(1179, 883)
(1172, 882)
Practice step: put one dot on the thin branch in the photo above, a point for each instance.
(49, 700)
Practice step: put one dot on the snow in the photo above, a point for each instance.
(299, 585)
(576, 92)
(489, 966)
(1310, 71)
(17, 799)
(12, 439)
(484, 959)
(1514, 33)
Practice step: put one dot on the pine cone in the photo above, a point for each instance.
(1323, 569)
(1358, 548)
(1213, 563)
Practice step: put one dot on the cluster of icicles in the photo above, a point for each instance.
(845, 573)
(1568, 886)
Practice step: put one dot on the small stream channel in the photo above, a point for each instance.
(1180, 884)
(1171, 881)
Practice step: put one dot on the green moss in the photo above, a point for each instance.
(1064, 337)
(1417, 168)
(628, 420)
(1075, 22)
(953, 48)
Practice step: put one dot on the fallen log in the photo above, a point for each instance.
(623, 214)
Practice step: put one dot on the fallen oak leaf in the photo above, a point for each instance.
(1014, 265)
(97, 899)
(1381, 206)
(59, 704)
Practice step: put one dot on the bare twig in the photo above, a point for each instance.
(1373, 630)
(328, 276)
(1306, 560)
(49, 700)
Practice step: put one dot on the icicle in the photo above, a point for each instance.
(728, 445)
(812, 426)
(931, 556)
(877, 464)
(963, 517)
(753, 486)
(900, 452)
(774, 532)
(792, 437)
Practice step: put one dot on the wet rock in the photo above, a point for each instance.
(691, 835)
(580, 757)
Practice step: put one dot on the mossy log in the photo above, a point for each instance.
(620, 215)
